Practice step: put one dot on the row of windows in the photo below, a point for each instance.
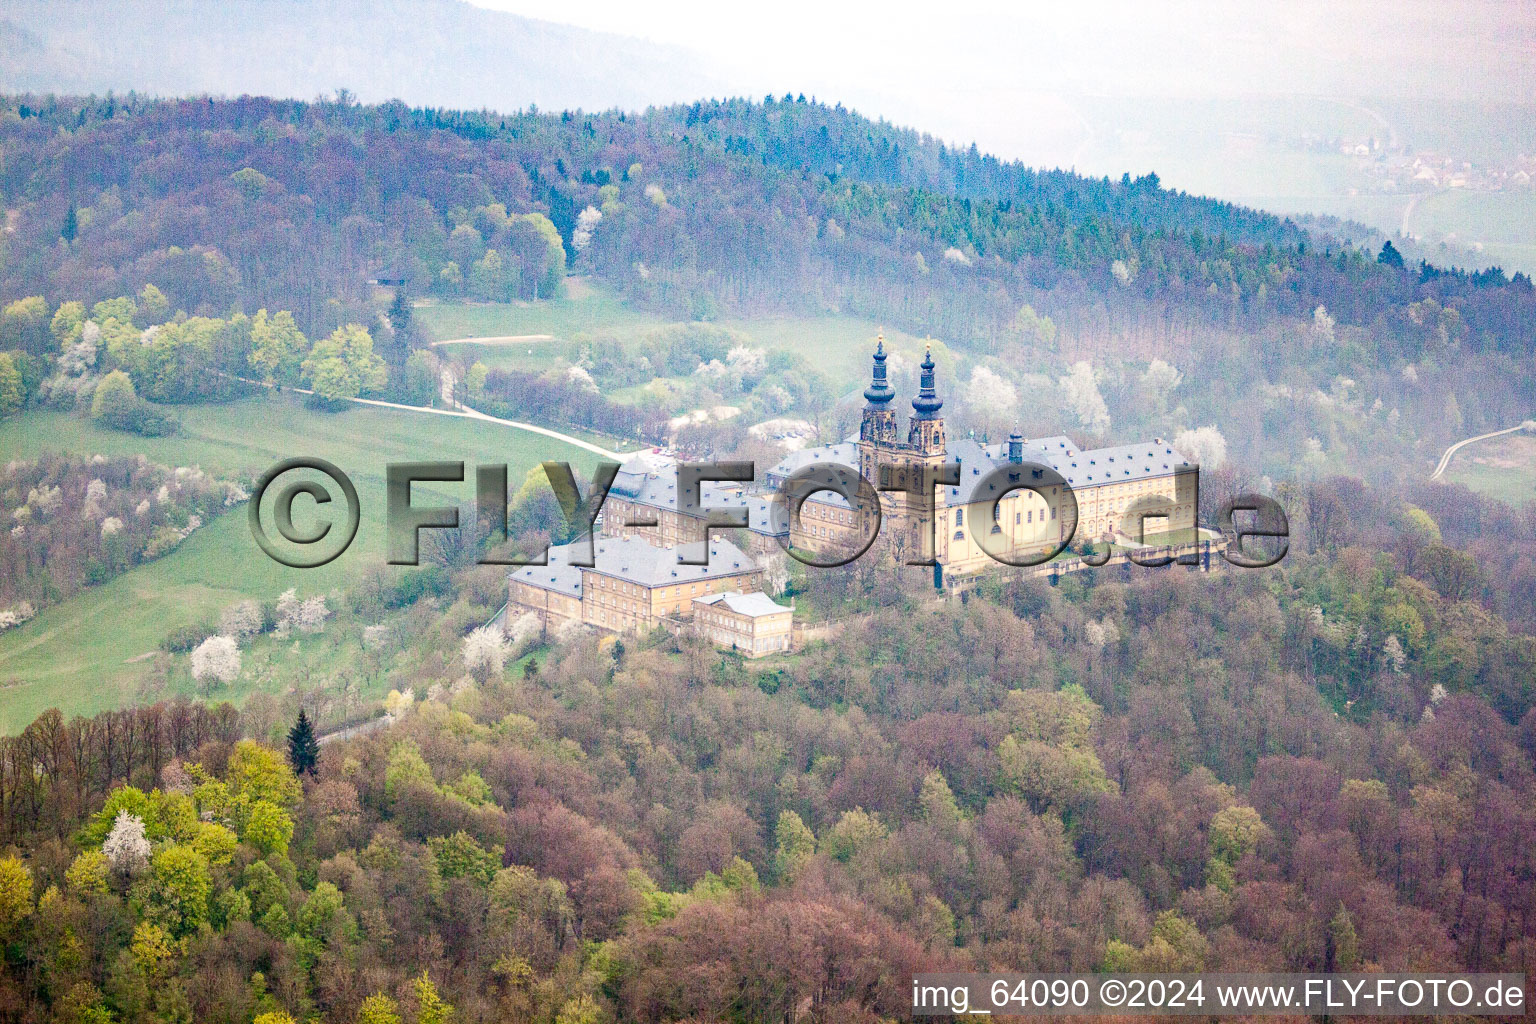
(997, 515)
(816, 510)
(760, 645)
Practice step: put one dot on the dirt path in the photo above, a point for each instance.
(463, 412)
(1445, 460)
(498, 339)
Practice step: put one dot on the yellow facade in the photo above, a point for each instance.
(753, 636)
(633, 587)
(1143, 493)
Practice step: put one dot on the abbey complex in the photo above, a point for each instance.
(993, 505)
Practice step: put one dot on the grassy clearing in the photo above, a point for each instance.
(1502, 468)
(80, 655)
(838, 346)
(584, 309)
(1503, 223)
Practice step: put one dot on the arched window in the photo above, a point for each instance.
(959, 517)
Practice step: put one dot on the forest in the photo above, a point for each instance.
(1326, 765)
(1300, 350)
(783, 204)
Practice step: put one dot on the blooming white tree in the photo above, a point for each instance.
(718, 375)
(586, 223)
(44, 500)
(1393, 653)
(485, 651)
(312, 615)
(746, 360)
(1205, 446)
(523, 630)
(775, 397)
(990, 396)
(1080, 390)
(16, 615)
(241, 620)
(95, 494)
(582, 379)
(81, 356)
(1101, 632)
(776, 572)
(1322, 324)
(306, 616)
(126, 846)
(1161, 378)
(287, 605)
(955, 255)
(111, 525)
(217, 658)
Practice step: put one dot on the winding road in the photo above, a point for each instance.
(1445, 460)
(463, 412)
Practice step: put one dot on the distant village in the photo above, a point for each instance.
(1394, 169)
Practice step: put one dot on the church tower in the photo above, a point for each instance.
(877, 429)
(879, 424)
(925, 436)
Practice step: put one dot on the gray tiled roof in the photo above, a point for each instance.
(1082, 469)
(634, 560)
(844, 452)
(753, 605)
(659, 490)
(559, 575)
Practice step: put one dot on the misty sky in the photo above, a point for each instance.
(998, 72)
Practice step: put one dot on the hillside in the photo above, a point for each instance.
(722, 205)
(439, 52)
(1294, 346)
(501, 808)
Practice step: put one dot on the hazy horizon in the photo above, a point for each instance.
(1005, 76)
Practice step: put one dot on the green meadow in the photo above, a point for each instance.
(838, 346)
(1501, 467)
(89, 653)
(98, 649)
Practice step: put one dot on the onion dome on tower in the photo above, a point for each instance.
(879, 391)
(927, 404)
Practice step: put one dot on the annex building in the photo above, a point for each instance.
(634, 586)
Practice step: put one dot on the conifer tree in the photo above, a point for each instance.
(303, 748)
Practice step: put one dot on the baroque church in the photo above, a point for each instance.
(996, 503)
(1015, 502)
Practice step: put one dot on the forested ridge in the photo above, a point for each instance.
(785, 204)
(1325, 766)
